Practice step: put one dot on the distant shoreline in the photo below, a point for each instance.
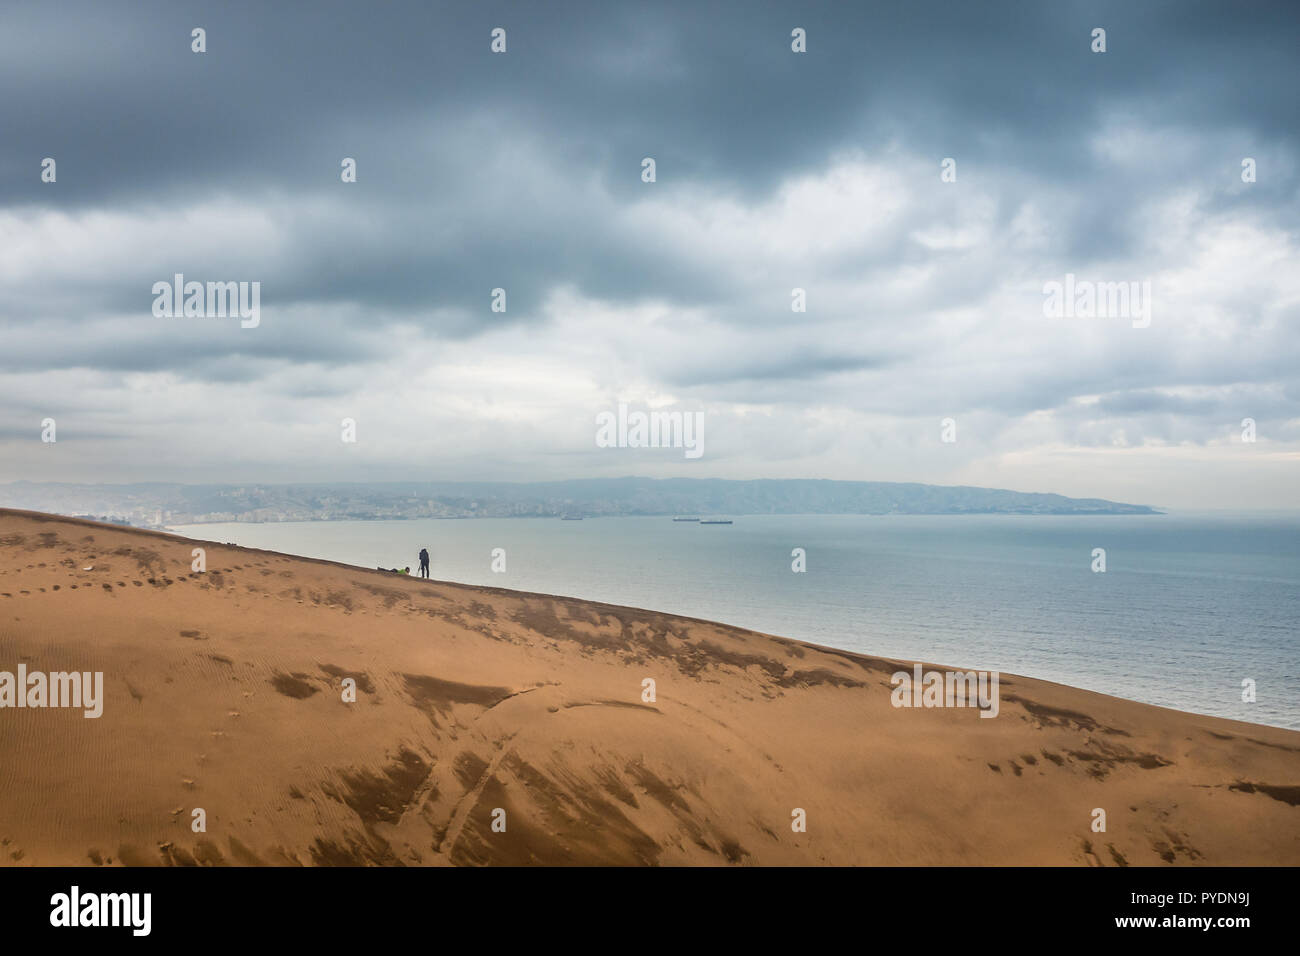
(793, 514)
(160, 504)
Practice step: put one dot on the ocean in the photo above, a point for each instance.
(1188, 607)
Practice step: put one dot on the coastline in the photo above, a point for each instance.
(224, 692)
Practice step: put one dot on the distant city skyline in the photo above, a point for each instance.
(862, 262)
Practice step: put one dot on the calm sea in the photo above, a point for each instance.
(1189, 605)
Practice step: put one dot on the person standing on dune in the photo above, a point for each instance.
(424, 562)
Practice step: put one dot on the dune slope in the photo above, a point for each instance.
(225, 691)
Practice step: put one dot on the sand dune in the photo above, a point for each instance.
(224, 691)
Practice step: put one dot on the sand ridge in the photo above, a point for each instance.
(224, 691)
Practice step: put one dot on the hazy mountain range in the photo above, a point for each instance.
(156, 504)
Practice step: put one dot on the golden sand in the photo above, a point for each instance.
(225, 691)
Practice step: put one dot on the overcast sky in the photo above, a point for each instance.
(775, 170)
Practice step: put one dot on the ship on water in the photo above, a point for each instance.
(718, 521)
(686, 519)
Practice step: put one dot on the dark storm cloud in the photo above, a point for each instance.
(709, 86)
(409, 90)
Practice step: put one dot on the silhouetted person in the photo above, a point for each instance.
(424, 562)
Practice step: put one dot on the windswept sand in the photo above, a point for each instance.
(222, 691)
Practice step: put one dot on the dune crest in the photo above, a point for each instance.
(498, 727)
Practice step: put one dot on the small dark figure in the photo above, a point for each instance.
(424, 562)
